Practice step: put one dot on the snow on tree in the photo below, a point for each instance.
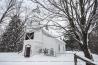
(12, 41)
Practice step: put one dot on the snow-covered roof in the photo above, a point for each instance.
(45, 32)
(33, 28)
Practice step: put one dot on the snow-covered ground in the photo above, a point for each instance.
(19, 59)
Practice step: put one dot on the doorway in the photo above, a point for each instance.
(27, 50)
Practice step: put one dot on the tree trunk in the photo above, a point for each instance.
(86, 49)
(87, 54)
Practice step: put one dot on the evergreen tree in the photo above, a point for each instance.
(11, 39)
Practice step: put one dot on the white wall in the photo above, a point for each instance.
(42, 41)
(50, 42)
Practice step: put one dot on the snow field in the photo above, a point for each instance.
(40, 59)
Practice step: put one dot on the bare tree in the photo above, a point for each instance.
(79, 14)
(7, 8)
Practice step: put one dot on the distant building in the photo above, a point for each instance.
(38, 39)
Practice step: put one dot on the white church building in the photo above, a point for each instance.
(38, 38)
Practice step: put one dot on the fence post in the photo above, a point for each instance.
(75, 59)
